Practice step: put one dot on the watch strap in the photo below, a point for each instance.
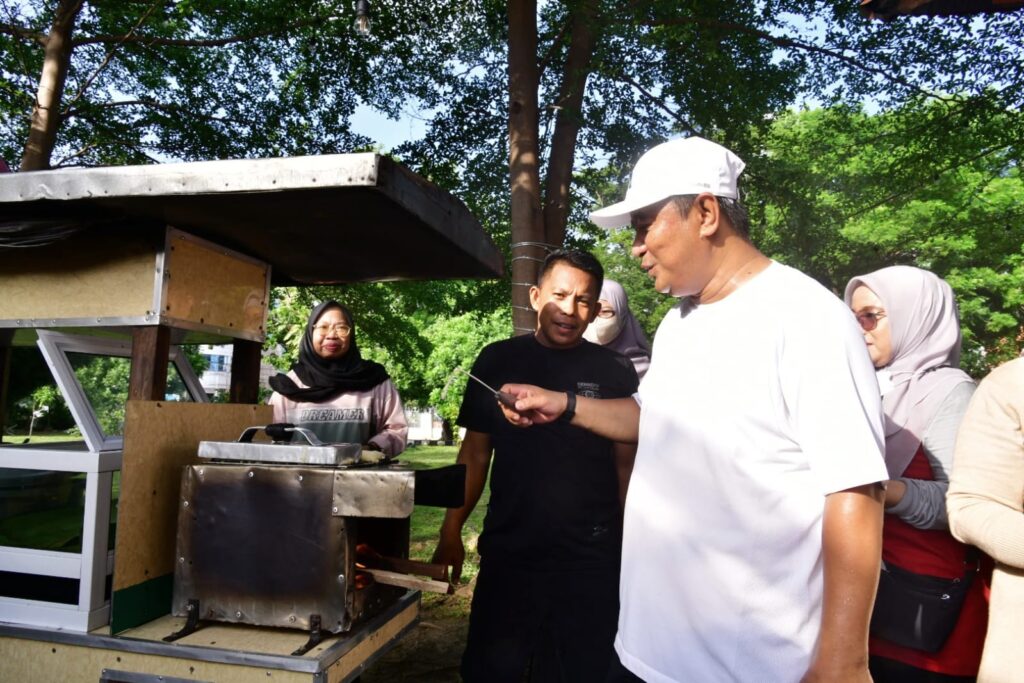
(570, 407)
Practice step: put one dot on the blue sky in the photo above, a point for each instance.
(385, 132)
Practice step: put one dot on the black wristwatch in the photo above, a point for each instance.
(570, 407)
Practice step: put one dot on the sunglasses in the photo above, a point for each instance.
(869, 319)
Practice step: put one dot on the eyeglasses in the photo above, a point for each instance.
(869, 319)
(324, 328)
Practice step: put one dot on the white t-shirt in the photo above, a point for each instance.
(754, 409)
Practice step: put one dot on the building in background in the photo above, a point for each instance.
(217, 376)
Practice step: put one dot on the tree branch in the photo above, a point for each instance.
(656, 101)
(568, 119)
(198, 42)
(106, 59)
(546, 60)
(800, 45)
(152, 104)
(933, 179)
(21, 32)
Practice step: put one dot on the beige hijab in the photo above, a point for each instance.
(925, 366)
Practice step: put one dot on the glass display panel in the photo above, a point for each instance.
(43, 510)
(34, 411)
(104, 381)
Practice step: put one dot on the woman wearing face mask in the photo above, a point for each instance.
(336, 393)
(616, 328)
(912, 331)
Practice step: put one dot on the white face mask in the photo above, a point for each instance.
(604, 330)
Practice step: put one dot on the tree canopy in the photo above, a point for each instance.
(860, 203)
(867, 143)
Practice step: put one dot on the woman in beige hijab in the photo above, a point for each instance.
(912, 331)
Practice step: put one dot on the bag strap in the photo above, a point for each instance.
(972, 557)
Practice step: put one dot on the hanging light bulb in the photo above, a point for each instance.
(362, 24)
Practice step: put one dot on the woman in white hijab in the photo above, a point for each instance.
(616, 328)
(912, 331)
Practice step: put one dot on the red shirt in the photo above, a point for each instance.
(936, 553)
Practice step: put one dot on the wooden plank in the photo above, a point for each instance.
(231, 637)
(160, 438)
(95, 274)
(406, 581)
(150, 354)
(245, 371)
(211, 286)
(30, 660)
(404, 566)
(377, 642)
(6, 339)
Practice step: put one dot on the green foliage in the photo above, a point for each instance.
(456, 342)
(648, 305)
(425, 523)
(104, 380)
(840, 192)
(210, 79)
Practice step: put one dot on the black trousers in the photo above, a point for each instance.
(890, 671)
(541, 626)
(620, 674)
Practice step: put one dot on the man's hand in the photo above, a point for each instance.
(534, 405)
(451, 551)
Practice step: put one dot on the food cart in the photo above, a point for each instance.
(118, 267)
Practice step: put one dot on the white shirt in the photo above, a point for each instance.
(754, 409)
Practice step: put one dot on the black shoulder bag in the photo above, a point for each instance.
(919, 611)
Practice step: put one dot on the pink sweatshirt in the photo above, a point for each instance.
(374, 416)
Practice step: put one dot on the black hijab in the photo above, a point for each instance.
(326, 378)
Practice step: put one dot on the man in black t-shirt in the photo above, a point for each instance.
(546, 599)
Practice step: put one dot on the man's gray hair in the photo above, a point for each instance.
(734, 210)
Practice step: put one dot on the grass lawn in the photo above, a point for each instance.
(40, 437)
(426, 521)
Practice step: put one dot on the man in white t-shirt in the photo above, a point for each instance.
(753, 520)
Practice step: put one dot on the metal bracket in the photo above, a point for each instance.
(191, 623)
(315, 636)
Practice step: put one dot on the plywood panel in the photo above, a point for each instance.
(27, 660)
(377, 641)
(160, 438)
(210, 286)
(104, 275)
(233, 637)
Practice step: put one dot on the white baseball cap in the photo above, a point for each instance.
(681, 166)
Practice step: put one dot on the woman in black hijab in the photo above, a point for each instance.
(336, 393)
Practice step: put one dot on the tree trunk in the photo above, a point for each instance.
(447, 432)
(46, 111)
(568, 120)
(524, 160)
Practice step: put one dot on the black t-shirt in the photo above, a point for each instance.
(554, 489)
